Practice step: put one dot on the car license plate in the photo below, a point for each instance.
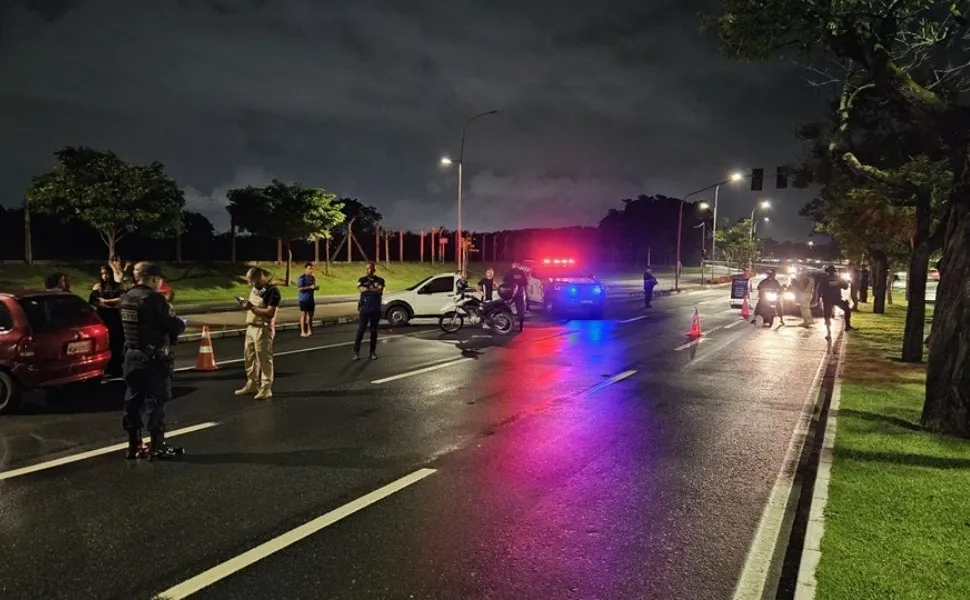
(75, 348)
(586, 301)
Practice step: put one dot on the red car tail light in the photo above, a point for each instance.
(27, 347)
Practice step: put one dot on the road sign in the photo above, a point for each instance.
(739, 288)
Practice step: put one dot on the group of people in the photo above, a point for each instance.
(829, 290)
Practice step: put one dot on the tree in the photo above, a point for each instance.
(113, 197)
(737, 244)
(366, 218)
(289, 212)
(911, 54)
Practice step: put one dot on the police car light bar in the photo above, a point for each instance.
(558, 261)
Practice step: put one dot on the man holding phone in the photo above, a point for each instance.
(371, 288)
(264, 300)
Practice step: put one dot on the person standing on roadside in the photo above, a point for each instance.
(261, 306)
(649, 282)
(804, 287)
(517, 279)
(486, 285)
(151, 331)
(831, 293)
(105, 297)
(371, 288)
(306, 285)
(57, 282)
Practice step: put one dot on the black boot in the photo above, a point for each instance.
(161, 450)
(136, 448)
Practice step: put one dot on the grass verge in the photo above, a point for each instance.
(898, 516)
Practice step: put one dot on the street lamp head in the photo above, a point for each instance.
(811, 243)
(765, 204)
(767, 219)
(703, 206)
(736, 177)
(446, 161)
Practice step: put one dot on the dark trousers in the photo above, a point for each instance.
(828, 310)
(149, 387)
(116, 341)
(647, 296)
(367, 318)
(519, 300)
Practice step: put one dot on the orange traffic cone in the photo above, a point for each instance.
(745, 309)
(695, 326)
(206, 360)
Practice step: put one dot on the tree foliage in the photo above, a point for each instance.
(912, 55)
(288, 212)
(113, 197)
(737, 244)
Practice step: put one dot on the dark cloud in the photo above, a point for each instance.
(598, 101)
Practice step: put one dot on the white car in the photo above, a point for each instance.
(422, 300)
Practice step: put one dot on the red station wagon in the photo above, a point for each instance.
(48, 339)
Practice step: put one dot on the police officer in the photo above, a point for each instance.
(516, 278)
(151, 330)
(371, 288)
(649, 282)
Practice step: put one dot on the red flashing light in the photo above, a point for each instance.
(558, 261)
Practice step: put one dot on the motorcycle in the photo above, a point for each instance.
(496, 314)
(770, 308)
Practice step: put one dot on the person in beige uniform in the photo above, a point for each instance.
(261, 305)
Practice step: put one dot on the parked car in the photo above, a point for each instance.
(422, 300)
(48, 339)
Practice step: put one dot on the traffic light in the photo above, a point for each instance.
(781, 180)
(757, 179)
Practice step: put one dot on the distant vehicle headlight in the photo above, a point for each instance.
(847, 276)
(771, 296)
(789, 296)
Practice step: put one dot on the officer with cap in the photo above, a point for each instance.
(151, 330)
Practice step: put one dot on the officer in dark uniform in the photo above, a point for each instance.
(371, 288)
(649, 282)
(516, 278)
(151, 331)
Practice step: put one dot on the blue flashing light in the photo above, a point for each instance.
(597, 290)
(573, 291)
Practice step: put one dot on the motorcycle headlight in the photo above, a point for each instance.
(771, 296)
(789, 295)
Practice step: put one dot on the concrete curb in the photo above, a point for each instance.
(806, 583)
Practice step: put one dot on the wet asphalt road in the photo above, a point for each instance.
(580, 459)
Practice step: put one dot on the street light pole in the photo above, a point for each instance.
(460, 251)
(680, 221)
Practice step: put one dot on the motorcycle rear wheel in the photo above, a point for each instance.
(450, 322)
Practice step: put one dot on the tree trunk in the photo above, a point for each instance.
(880, 267)
(919, 266)
(316, 251)
(289, 262)
(361, 249)
(232, 246)
(28, 246)
(111, 238)
(387, 246)
(432, 247)
(484, 247)
(279, 251)
(178, 248)
(377, 242)
(400, 246)
(947, 405)
(422, 245)
(327, 250)
(350, 240)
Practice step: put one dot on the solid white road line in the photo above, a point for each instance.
(754, 575)
(250, 557)
(609, 382)
(66, 460)
(634, 319)
(420, 371)
(730, 325)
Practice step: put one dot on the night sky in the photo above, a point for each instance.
(598, 101)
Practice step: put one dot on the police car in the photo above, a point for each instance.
(560, 285)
